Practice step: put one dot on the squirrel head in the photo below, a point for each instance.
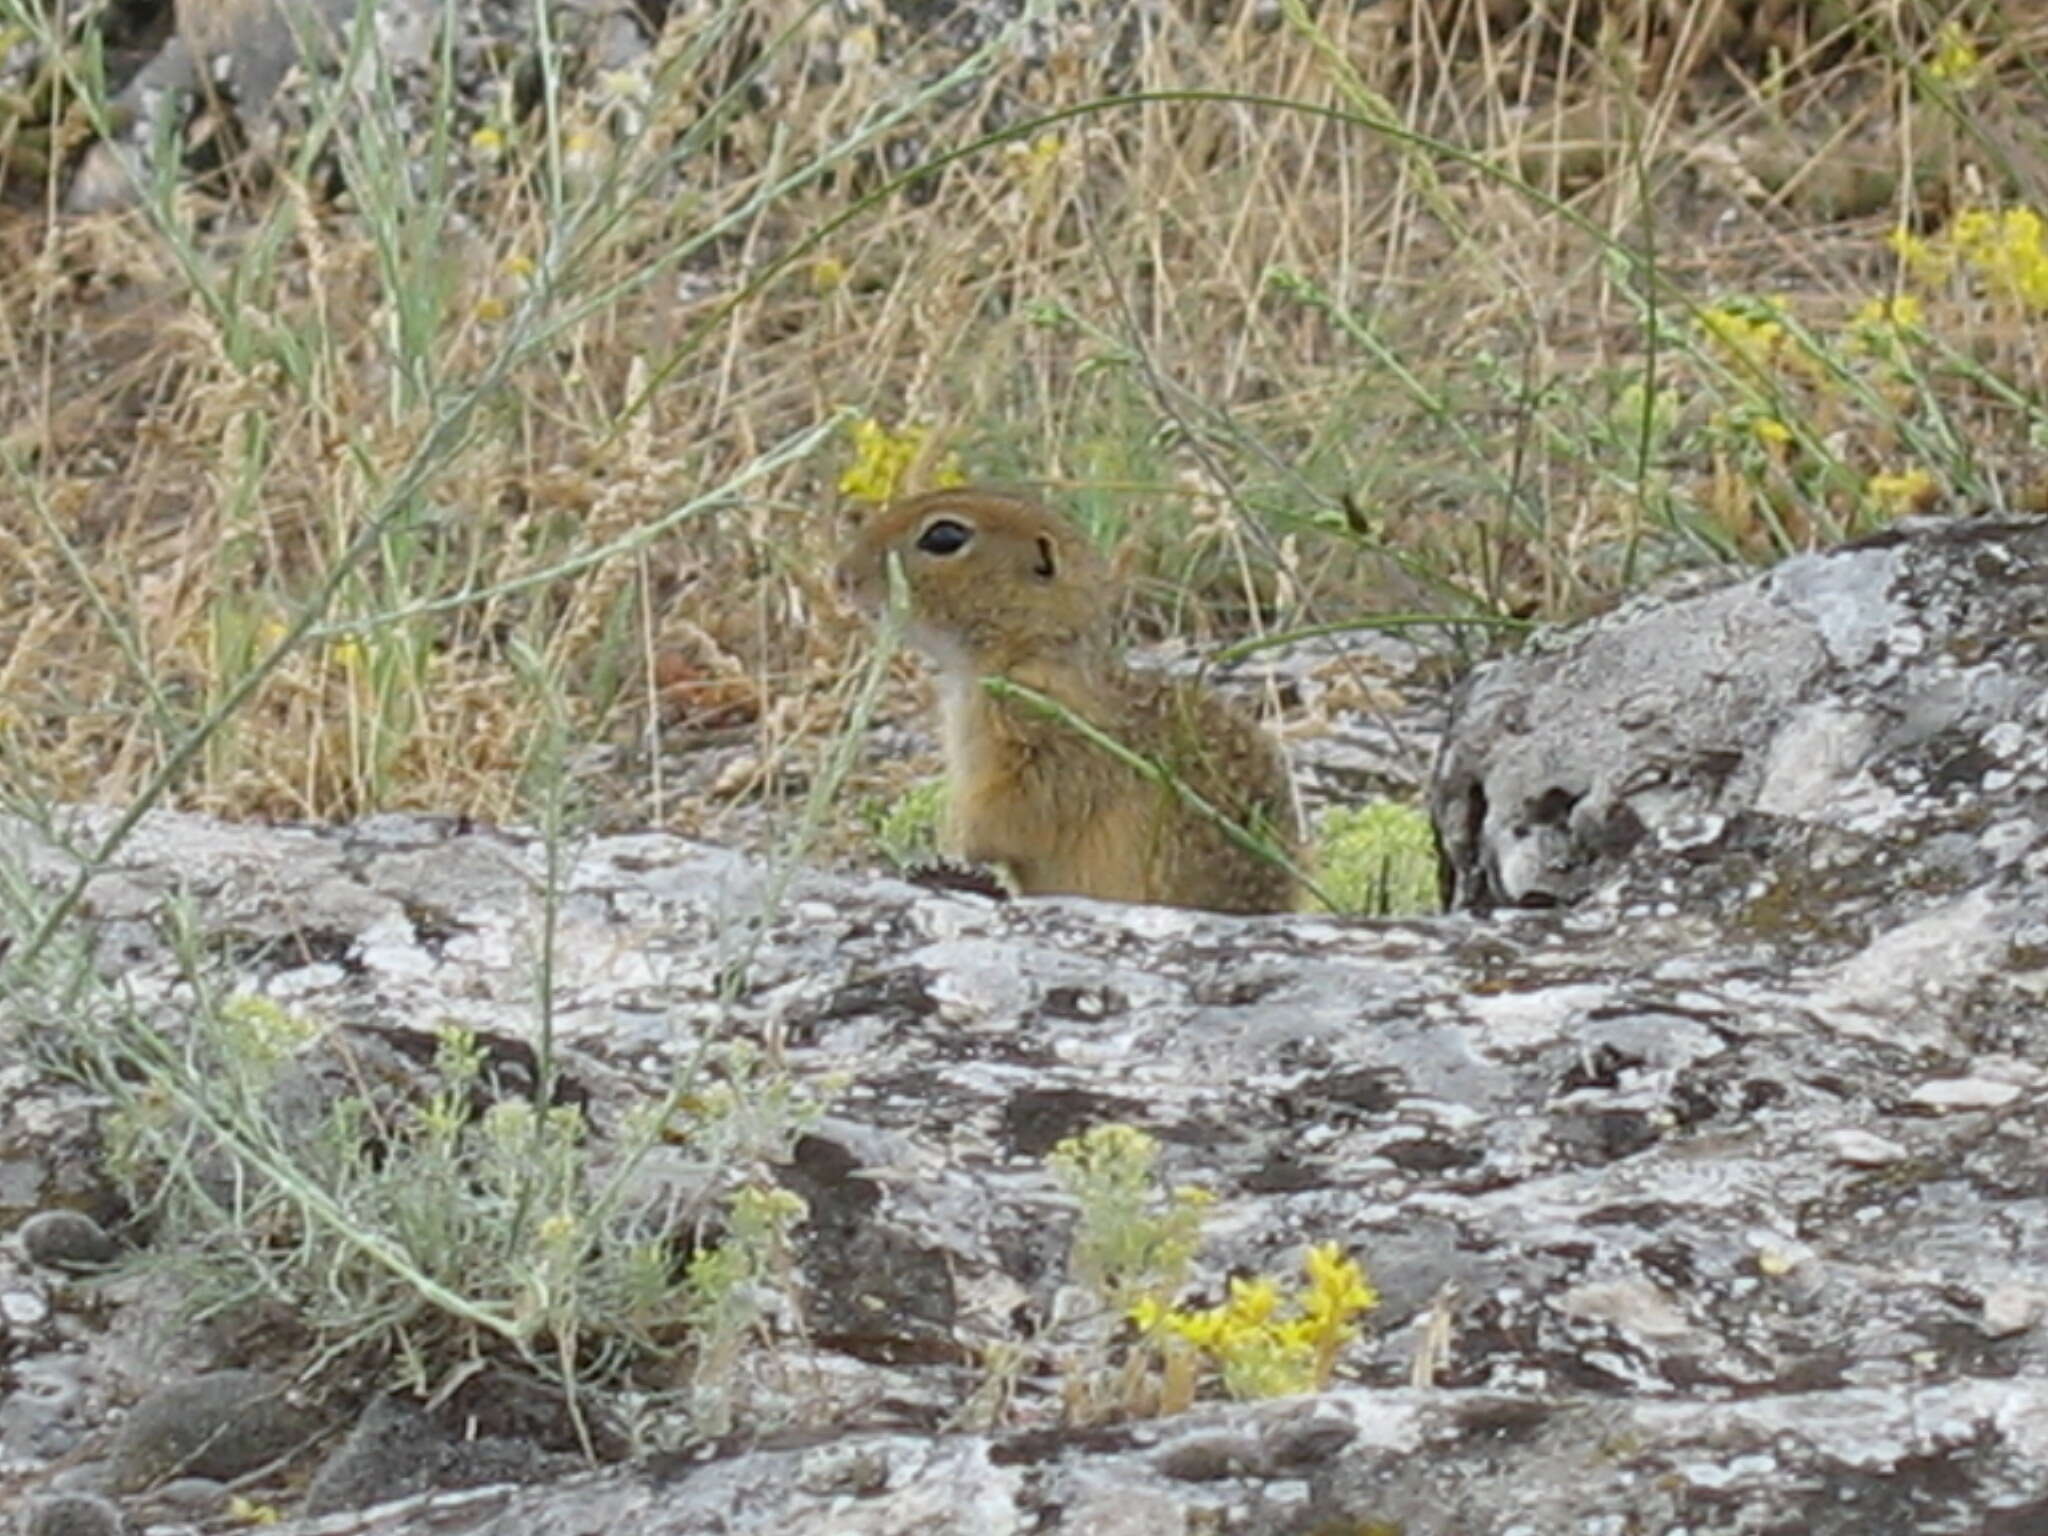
(994, 578)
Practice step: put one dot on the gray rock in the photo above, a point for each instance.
(67, 1240)
(1856, 690)
(220, 1425)
(72, 1514)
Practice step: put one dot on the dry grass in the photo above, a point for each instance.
(1290, 368)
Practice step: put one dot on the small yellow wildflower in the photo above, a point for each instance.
(556, 1231)
(1206, 1329)
(1252, 1301)
(1956, 60)
(1907, 490)
(1031, 162)
(1746, 332)
(488, 140)
(1770, 431)
(1337, 1285)
(1928, 262)
(347, 652)
(1901, 310)
(882, 461)
(244, 1511)
(828, 273)
(517, 266)
(2011, 255)
(491, 309)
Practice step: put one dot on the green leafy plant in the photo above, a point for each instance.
(1133, 1237)
(907, 827)
(422, 1225)
(1379, 860)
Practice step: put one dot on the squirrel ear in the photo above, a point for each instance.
(1046, 569)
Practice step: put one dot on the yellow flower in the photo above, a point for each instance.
(488, 140)
(882, 461)
(1908, 490)
(827, 273)
(1205, 1329)
(1903, 309)
(1956, 61)
(1031, 162)
(556, 1231)
(1252, 1301)
(2006, 250)
(1769, 430)
(1742, 334)
(1926, 261)
(1337, 1285)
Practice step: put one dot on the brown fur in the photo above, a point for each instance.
(1027, 598)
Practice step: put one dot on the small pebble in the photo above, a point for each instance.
(22, 1309)
(68, 1240)
(1862, 1149)
(1965, 1093)
(2010, 1309)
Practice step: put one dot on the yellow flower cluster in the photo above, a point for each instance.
(1901, 312)
(1956, 60)
(1262, 1349)
(1745, 331)
(2004, 249)
(883, 461)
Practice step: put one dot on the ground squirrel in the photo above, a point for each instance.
(1001, 587)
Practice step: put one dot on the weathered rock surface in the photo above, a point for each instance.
(1713, 1202)
(1855, 691)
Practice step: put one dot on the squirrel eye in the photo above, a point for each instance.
(944, 536)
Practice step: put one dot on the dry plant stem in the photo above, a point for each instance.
(1033, 12)
(1158, 773)
(824, 790)
(796, 449)
(114, 623)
